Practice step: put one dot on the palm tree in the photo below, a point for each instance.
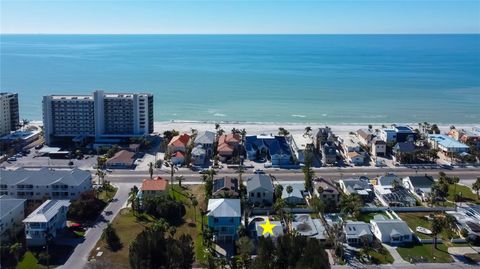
(289, 190)
(476, 186)
(436, 227)
(211, 173)
(180, 179)
(150, 169)
(283, 132)
(308, 130)
(101, 176)
(132, 198)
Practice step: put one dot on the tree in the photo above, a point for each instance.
(194, 204)
(476, 186)
(283, 132)
(278, 191)
(16, 249)
(86, 207)
(112, 239)
(245, 247)
(436, 226)
(101, 176)
(208, 188)
(308, 130)
(289, 190)
(265, 254)
(351, 204)
(132, 198)
(317, 205)
(150, 169)
(180, 179)
(166, 208)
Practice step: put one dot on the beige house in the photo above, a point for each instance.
(379, 147)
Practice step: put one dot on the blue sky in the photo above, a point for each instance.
(244, 16)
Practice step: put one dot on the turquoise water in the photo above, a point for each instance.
(329, 79)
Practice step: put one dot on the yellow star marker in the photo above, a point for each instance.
(267, 227)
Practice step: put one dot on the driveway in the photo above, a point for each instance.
(79, 257)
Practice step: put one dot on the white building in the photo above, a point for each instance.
(12, 212)
(350, 143)
(44, 184)
(389, 135)
(44, 223)
(9, 114)
(357, 232)
(392, 231)
(101, 115)
(446, 144)
(300, 143)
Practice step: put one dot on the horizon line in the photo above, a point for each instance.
(406, 33)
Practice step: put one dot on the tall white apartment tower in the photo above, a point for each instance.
(9, 114)
(101, 115)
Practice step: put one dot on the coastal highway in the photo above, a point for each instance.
(467, 175)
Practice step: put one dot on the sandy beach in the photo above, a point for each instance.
(271, 128)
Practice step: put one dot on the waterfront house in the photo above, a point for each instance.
(273, 148)
(152, 188)
(198, 155)
(357, 232)
(38, 185)
(326, 190)
(421, 186)
(260, 189)
(379, 147)
(355, 158)
(322, 135)
(178, 143)
(404, 134)
(45, 222)
(124, 159)
(329, 153)
(225, 187)
(224, 216)
(446, 144)
(302, 143)
(227, 145)
(392, 231)
(471, 136)
(206, 140)
(296, 196)
(12, 213)
(358, 187)
(350, 143)
(365, 136)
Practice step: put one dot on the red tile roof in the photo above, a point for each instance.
(178, 154)
(156, 184)
(179, 140)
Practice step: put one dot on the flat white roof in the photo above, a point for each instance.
(301, 141)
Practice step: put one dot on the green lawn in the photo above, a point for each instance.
(129, 226)
(29, 261)
(467, 193)
(414, 219)
(378, 258)
(106, 194)
(425, 253)
(366, 217)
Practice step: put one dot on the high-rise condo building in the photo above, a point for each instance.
(9, 114)
(101, 115)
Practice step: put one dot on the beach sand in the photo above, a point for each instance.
(271, 128)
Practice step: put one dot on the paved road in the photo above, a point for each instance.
(457, 265)
(79, 257)
(467, 175)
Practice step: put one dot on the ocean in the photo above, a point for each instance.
(324, 79)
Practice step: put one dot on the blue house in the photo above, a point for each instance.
(274, 148)
(224, 216)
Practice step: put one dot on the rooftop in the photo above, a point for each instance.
(259, 181)
(123, 156)
(392, 227)
(45, 176)
(9, 204)
(224, 208)
(47, 211)
(446, 141)
(156, 184)
(205, 137)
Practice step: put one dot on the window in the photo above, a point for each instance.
(258, 195)
(215, 220)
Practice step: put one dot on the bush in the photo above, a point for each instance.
(112, 238)
(464, 233)
(86, 207)
(166, 208)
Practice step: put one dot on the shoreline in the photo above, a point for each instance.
(272, 128)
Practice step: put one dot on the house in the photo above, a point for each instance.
(365, 136)
(326, 190)
(392, 231)
(198, 155)
(446, 144)
(206, 140)
(304, 225)
(470, 136)
(227, 144)
(178, 143)
(152, 188)
(12, 212)
(177, 158)
(273, 148)
(329, 153)
(355, 158)
(296, 196)
(389, 135)
(260, 189)
(38, 185)
(45, 221)
(390, 192)
(124, 159)
(302, 143)
(403, 149)
(277, 230)
(350, 143)
(379, 147)
(224, 217)
(359, 187)
(322, 135)
(225, 187)
(468, 217)
(421, 186)
(404, 134)
(357, 232)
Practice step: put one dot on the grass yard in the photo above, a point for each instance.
(29, 261)
(467, 193)
(129, 226)
(425, 253)
(378, 258)
(414, 219)
(366, 217)
(107, 194)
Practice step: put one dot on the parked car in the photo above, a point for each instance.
(12, 159)
(259, 171)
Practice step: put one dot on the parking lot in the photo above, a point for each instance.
(31, 160)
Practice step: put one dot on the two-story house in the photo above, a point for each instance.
(44, 223)
(260, 189)
(152, 188)
(206, 140)
(326, 190)
(227, 144)
(224, 216)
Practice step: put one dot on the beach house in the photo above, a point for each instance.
(269, 147)
(152, 188)
(199, 155)
(379, 147)
(390, 192)
(260, 189)
(355, 158)
(224, 216)
(205, 139)
(45, 222)
(392, 231)
(322, 135)
(421, 186)
(296, 196)
(365, 136)
(359, 187)
(446, 144)
(326, 190)
(357, 232)
(225, 187)
(178, 143)
(227, 145)
(301, 143)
